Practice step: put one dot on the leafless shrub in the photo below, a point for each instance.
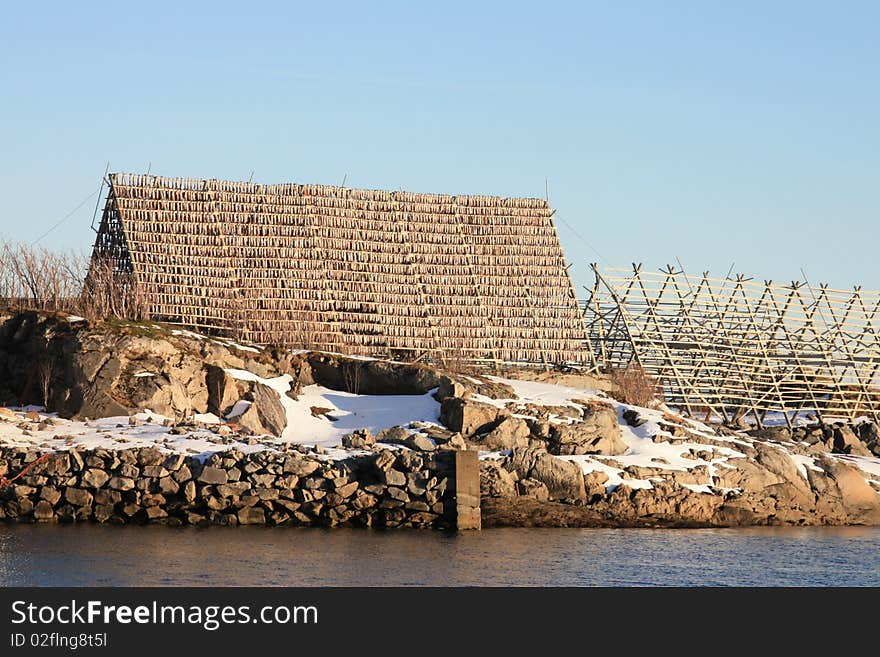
(351, 372)
(110, 293)
(634, 386)
(45, 368)
(35, 278)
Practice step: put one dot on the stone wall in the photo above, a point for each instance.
(293, 485)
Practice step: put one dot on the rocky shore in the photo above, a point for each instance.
(292, 486)
(146, 423)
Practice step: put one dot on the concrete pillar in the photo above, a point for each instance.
(467, 490)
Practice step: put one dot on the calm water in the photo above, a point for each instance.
(250, 556)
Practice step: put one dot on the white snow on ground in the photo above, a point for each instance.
(867, 464)
(113, 433)
(699, 488)
(546, 394)
(803, 462)
(207, 418)
(349, 411)
(188, 334)
(238, 346)
(72, 319)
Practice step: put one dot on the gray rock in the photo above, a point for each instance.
(43, 511)
(347, 490)
(211, 475)
(420, 443)
(869, 434)
(149, 456)
(269, 409)
(78, 496)
(632, 418)
(598, 433)
(95, 478)
(534, 489)
(103, 512)
(467, 417)
(222, 391)
(300, 467)
(384, 460)
(50, 494)
(121, 483)
(394, 435)
(168, 486)
(358, 439)
(450, 387)
(564, 480)
(509, 433)
(495, 481)
(174, 462)
(846, 442)
(189, 491)
(235, 489)
(154, 513)
(393, 478)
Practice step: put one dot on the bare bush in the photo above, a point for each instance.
(351, 372)
(635, 386)
(36, 278)
(45, 368)
(109, 293)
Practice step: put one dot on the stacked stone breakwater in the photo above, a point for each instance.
(292, 485)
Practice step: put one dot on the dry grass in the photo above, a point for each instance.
(635, 386)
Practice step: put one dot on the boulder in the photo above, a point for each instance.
(392, 477)
(534, 489)
(869, 434)
(358, 439)
(632, 418)
(857, 496)
(393, 435)
(249, 422)
(270, 410)
(121, 483)
(779, 462)
(564, 480)
(95, 478)
(371, 377)
(598, 433)
(846, 441)
(43, 511)
(420, 443)
(222, 391)
(210, 475)
(495, 481)
(252, 515)
(299, 466)
(77, 496)
(450, 387)
(467, 417)
(509, 433)
(596, 482)
(747, 475)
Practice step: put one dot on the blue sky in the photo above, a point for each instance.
(714, 132)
